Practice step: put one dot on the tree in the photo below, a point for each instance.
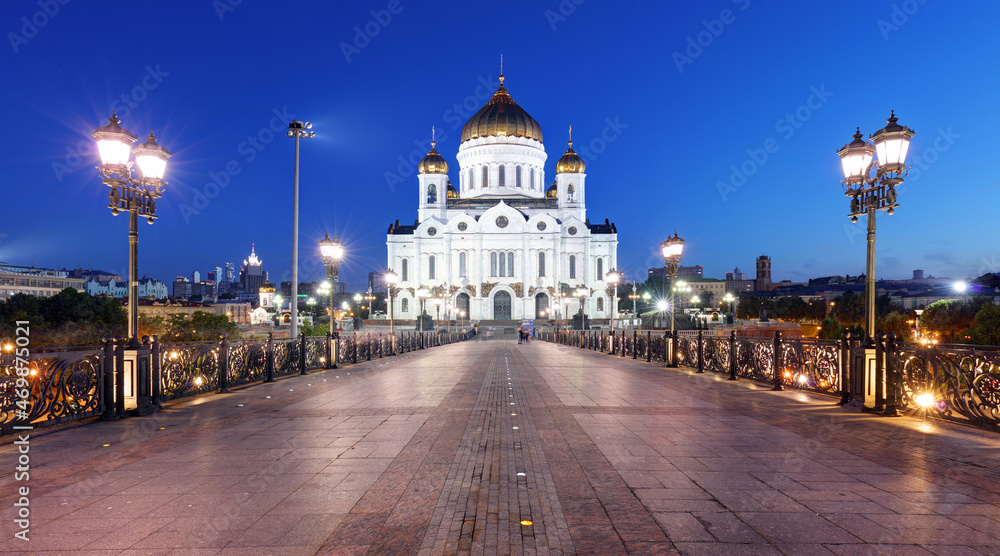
(748, 307)
(849, 308)
(949, 318)
(985, 328)
(831, 329)
(897, 323)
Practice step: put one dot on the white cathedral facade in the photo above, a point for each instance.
(502, 246)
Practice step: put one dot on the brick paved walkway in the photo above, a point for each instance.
(494, 447)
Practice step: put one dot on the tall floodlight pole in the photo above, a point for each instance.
(297, 130)
(332, 252)
(873, 193)
(391, 279)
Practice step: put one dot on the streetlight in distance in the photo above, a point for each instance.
(613, 277)
(870, 194)
(582, 294)
(421, 295)
(391, 279)
(332, 253)
(673, 249)
(729, 299)
(297, 130)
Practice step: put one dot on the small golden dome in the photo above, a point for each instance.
(552, 192)
(501, 117)
(433, 163)
(570, 163)
(452, 193)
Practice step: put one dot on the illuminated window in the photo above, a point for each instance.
(432, 193)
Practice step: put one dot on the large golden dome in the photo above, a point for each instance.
(501, 117)
(433, 163)
(570, 163)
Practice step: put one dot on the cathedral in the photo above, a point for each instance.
(502, 246)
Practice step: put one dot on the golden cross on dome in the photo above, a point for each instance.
(501, 68)
(432, 137)
(571, 135)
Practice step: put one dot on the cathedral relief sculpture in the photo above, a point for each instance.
(472, 290)
(488, 287)
(518, 289)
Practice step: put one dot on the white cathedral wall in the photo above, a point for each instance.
(478, 246)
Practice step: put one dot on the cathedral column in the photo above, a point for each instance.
(477, 279)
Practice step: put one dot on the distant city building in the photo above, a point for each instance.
(708, 290)
(228, 277)
(101, 275)
(737, 282)
(252, 275)
(237, 311)
(147, 287)
(195, 276)
(40, 282)
(763, 281)
(181, 288)
(376, 283)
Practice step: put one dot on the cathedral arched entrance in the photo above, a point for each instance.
(462, 303)
(541, 304)
(501, 306)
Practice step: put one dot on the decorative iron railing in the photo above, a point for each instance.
(62, 384)
(955, 382)
(66, 384)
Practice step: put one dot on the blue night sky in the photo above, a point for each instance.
(661, 121)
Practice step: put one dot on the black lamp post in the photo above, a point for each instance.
(332, 253)
(135, 186)
(870, 193)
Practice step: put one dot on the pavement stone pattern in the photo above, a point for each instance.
(418, 454)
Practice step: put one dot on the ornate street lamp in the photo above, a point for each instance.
(297, 130)
(613, 276)
(729, 299)
(332, 253)
(421, 295)
(135, 186)
(673, 249)
(391, 279)
(582, 294)
(870, 193)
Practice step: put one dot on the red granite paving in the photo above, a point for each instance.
(418, 454)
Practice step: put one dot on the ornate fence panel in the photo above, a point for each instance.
(64, 384)
(315, 350)
(687, 350)
(247, 361)
(286, 357)
(812, 364)
(952, 382)
(755, 358)
(188, 368)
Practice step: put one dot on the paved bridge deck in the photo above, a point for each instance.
(491, 447)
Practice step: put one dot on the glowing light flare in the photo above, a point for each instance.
(925, 400)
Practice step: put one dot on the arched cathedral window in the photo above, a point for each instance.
(600, 268)
(493, 264)
(572, 266)
(486, 174)
(432, 193)
(430, 267)
(541, 265)
(570, 193)
(502, 180)
(461, 265)
(600, 304)
(532, 180)
(510, 264)
(405, 272)
(406, 305)
(517, 177)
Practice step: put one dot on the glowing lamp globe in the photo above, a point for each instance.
(331, 250)
(891, 143)
(114, 143)
(855, 157)
(673, 247)
(151, 159)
